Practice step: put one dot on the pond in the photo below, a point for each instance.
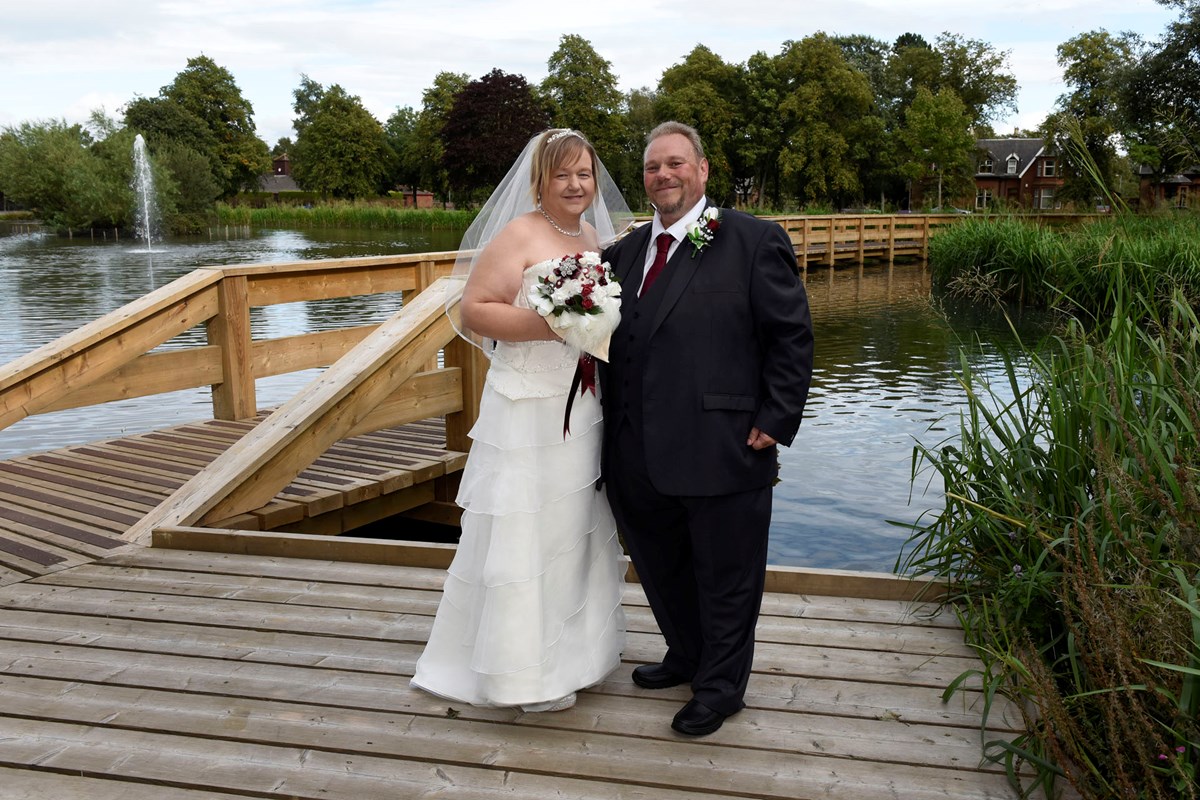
(887, 352)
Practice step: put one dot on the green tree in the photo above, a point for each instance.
(939, 147)
(400, 130)
(426, 147)
(204, 111)
(342, 150)
(979, 75)
(703, 91)
(65, 176)
(583, 89)
(1162, 96)
(1085, 127)
(489, 124)
(637, 120)
(305, 99)
(829, 126)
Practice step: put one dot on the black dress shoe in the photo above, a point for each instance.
(697, 719)
(656, 676)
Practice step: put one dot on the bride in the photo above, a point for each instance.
(531, 608)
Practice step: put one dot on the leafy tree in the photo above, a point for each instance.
(830, 131)
(426, 148)
(342, 150)
(489, 124)
(703, 92)
(282, 145)
(203, 110)
(979, 75)
(58, 171)
(938, 146)
(583, 89)
(1095, 67)
(637, 121)
(400, 130)
(973, 69)
(1162, 96)
(305, 100)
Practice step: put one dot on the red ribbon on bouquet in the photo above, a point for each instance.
(584, 379)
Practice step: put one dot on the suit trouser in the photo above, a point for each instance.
(702, 562)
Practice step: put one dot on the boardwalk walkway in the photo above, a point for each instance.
(157, 674)
(70, 506)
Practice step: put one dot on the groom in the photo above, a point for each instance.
(707, 372)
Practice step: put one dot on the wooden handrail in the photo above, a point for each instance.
(331, 407)
(109, 359)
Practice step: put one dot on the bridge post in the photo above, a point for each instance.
(233, 397)
(470, 359)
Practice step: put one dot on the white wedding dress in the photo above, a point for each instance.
(531, 608)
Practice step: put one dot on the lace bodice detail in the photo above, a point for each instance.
(531, 369)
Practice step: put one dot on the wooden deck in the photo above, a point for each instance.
(69, 506)
(157, 674)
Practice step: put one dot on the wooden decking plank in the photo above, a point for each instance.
(773, 604)
(89, 486)
(31, 784)
(57, 534)
(402, 600)
(374, 669)
(316, 499)
(596, 729)
(90, 466)
(71, 514)
(14, 552)
(269, 771)
(798, 660)
(36, 496)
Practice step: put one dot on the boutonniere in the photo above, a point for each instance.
(701, 232)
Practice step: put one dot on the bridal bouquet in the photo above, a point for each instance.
(580, 298)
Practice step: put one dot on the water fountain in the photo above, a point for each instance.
(146, 211)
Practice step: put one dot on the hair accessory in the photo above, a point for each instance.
(563, 133)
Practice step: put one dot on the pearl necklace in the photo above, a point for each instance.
(554, 224)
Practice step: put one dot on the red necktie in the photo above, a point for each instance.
(664, 242)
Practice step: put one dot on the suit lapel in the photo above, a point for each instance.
(634, 253)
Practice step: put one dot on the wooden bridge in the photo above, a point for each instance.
(177, 621)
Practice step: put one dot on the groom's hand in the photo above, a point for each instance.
(759, 440)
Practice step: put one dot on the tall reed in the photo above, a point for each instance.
(1071, 535)
(1080, 270)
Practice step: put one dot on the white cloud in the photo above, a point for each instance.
(61, 58)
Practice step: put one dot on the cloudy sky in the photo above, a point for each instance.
(60, 59)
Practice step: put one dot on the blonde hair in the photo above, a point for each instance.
(556, 147)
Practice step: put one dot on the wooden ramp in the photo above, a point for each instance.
(157, 674)
(70, 506)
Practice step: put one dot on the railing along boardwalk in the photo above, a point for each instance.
(159, 674)
(377, 377)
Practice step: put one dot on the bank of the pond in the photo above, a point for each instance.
(344, 215)
(1071, 528)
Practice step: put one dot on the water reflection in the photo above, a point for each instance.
(886, 358)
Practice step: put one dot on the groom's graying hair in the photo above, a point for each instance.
(671, 126)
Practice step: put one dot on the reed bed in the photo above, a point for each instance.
(1071, 535)
(344, 215)
(1082, 270)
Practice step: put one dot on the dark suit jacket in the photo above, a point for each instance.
(728, 347)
